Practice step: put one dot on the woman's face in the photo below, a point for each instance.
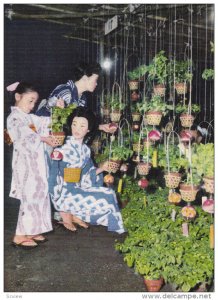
(91, 82)
(79, 127)
(26, 101)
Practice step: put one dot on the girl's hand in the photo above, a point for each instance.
(60, 103)
(50, 140)
(102, 167)
(108, 128)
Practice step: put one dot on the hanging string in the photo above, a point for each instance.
(205, 82)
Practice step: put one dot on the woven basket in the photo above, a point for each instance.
(58, 138)
(159, 90)
(172, 180)
(115, 116)
(136, 117)
(113, 166)
(188, 192)
(137, 147)
(153, 117)
(143, 168)
(133, 85)
(72, 174)
(209, 184)
(181, 88)
(187, 120)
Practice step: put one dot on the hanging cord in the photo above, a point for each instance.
(167, 148)
(190, 61)
(142, 127)
(205, 82)
(120, 133)
(119, 92)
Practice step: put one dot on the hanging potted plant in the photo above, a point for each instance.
(58, 120)
(136, 142)
(189, 188)
(180, 74)
(208, 74)
(134, 76)
(157, 72)
(135, 112)
(186, 113)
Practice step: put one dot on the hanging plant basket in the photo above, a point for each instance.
(209, 184)
(187, 120)
(136, 117)
(72, 174)
(159, 90)
(113, 165)
(188, 192)
(58, 138)
(143, 168)
(137, 147)
(172, 180)
(115, 116)
(133, 85)
(181, 88)
(154, 118)
(153, 285)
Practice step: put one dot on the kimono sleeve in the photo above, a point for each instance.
(89, 177)
(43, 124)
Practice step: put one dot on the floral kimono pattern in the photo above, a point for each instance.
(87, 199)
(29, 171)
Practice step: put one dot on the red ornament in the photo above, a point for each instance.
(56, 155)
(154, 135)
(185, 135)
(208, 206)
(143, 183)
(113, 125)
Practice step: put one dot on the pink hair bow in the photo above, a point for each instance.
(12, 87)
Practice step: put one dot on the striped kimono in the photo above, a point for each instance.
(87, 199)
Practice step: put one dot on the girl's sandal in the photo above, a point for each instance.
(23, 246)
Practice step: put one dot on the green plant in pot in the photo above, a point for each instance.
(135, 75)
(59, 118)
(158, 72)
(117, 107)
(187, 115)
(180, 73)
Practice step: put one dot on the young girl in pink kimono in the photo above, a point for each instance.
(28, 133)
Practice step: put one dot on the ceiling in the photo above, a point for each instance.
(150, 21)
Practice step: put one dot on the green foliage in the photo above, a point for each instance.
(115, 103)
(59, 117)
(155, 104)
(180, 71)
(208, 74)
(136, 73)
(203, 159)
(157, 69)
(116, 152)
(183, 108)
(155, 245)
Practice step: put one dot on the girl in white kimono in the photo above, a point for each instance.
(29, 170)
(84, 199)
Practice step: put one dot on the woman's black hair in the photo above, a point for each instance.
(84, 68)
(25, 87)
(85, 113)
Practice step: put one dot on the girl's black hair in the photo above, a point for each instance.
(84, 68)
(25, 87)
(85, 113)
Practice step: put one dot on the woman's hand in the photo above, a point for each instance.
(102, 167)
(108, 128)
(50, 140)
(60, 103)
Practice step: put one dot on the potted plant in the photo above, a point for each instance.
(136, 142)
(209, 73)
(135, 75)
(58, 120)
(190, 186)
(116, 108)
(135, 112)
(186, 114)
(180, 74)
(155, 109)
(157, 71)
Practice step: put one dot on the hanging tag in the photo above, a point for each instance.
(173, 215)
(212, 236)
(135, 173)
(145, 201)
(154, 159)
(120, 183)
(185, 229)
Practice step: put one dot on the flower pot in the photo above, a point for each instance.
(58, 138)
(134, 96)
(153, 285)
(136, 117)
(137, 147)
(188, 192)
(187, 120)
(209, 184)
(172, 180)
(153, 117)
(72, 174)
(159, 90)
(113, 165)
(143, 168)
(181, 88)
(133, 85)
(115, 116)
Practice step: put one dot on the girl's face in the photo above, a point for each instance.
(91, 82)
(79, 127)
(26, 101)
